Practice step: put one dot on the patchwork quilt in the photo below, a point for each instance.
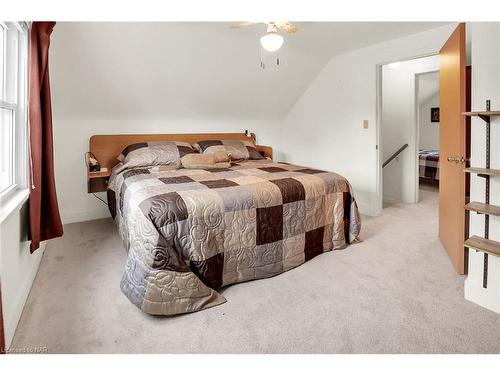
(190, 232)
(429, 164)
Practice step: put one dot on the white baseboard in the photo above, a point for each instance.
(69, 217)
(365, 208)
(391, 200)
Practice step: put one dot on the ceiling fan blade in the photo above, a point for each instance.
(242, 24)
(287, 27)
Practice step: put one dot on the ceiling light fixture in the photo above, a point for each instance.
(272, 41)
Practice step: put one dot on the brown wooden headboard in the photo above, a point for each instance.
(107, 147)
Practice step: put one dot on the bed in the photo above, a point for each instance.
(191, 232)
(429, 164)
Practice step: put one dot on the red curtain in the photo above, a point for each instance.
(44, 219)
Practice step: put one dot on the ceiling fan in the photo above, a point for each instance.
(272, 41)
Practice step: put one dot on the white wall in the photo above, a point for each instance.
(485, 85)
(428, 131)
(428, 87)
(18, 267)
(399, 127)
(325, 127)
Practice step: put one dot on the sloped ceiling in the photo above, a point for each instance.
(428, 86)
(195, 69)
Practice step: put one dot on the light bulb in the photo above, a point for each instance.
(272, 41)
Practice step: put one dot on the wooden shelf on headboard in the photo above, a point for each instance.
(97, 181)
(265, 151)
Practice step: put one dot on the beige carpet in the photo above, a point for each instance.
(394, 293)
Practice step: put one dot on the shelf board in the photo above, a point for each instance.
(483, 171)
(482, 244)
(483, 208)
(100, 174)
(482, 113)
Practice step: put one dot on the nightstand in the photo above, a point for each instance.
(97, 181)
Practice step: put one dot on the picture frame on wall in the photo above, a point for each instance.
(435, 114)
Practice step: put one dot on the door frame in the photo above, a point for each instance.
(378, 204)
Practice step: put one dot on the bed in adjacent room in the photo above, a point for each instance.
(191, 231)
(428, 164)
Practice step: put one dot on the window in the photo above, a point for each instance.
(13, 106)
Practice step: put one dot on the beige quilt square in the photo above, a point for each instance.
(206, 222)
(293, 252)
(331, 201)
(266, 194)
(328, 237)
(315, 213)
(240, 229)
(246, 180)
(239, 265)
(313, 185)
(294, 218)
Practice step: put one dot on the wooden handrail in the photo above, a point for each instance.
(393, 156)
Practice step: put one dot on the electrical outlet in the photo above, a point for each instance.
(365, 124)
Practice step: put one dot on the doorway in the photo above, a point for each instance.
(397, 144)
(404, 88)
(427, 112)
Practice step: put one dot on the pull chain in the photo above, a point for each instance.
(263, 59)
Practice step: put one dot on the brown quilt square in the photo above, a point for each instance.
(164, 209)
(254, 154)
(291, 190)
(215, 170)
(222, 183)
(135, 172)
(176, 180)
(310, 171)
(209, 271)
(133, 147)
(314, 243)
(269, 224)
(184, 150)
(206, 144)
(272, 169)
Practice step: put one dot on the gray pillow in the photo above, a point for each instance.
(238, 150)
(148, 154)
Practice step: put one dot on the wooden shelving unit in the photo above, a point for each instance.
(483, 208)
(484, 244)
